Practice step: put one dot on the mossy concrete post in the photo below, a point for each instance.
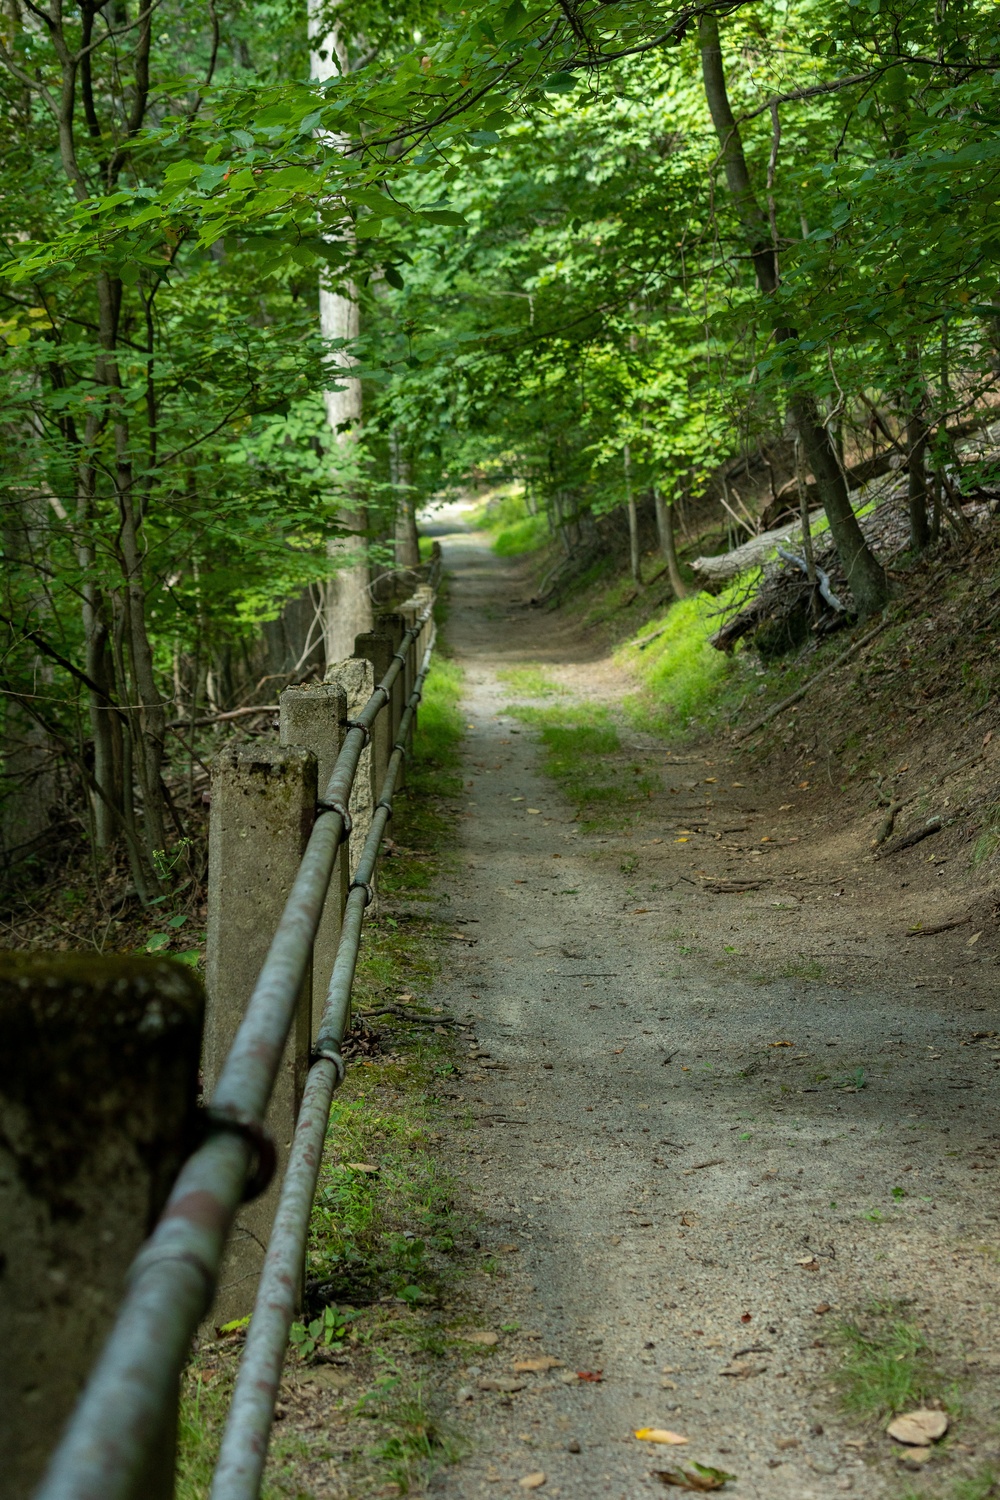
(357, 678)
(315, 716)
(263, 809)
(98, 1110)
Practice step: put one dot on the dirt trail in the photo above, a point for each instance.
(683, 1188)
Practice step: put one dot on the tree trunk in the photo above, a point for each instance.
(348, 607)
(865, 574)
(633, 520)
(668, 546)
(407, 538)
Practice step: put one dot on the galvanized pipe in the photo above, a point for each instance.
(251, 1413)
(133, 1386)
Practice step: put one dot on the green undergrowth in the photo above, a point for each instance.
(985, 1485)
(386, 1240)
(886, 1366)
(583, 755)
(513, 527)
(686, 683)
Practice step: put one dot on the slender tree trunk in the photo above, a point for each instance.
(865, 574)
(916, 452)
(407, 538)
(633, 520)
(668, 545)
(348, 607)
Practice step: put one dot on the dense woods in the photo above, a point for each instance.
(271, 280)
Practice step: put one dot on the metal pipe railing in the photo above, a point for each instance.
(251, 1412)
(131, 1395)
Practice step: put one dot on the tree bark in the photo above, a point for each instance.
(633, 520)
(407, 538)
(348, 610)
(668, 545)
(865, 574)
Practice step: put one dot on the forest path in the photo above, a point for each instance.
(689, 1142)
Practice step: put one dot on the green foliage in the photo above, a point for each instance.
(328, 1331)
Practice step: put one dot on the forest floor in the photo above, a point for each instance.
(733, 1149)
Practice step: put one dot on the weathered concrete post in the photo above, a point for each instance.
(98, 1109)
(263, 808)
(357, 679)
(376, 647)
(393, 625)
(314, 716)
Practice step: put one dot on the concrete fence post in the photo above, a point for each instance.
(394, 626)
(357, 679)
(263, 808)
(314, 716)
(378, 647)
(98, 1110)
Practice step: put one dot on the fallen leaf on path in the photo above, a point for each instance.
(360, 1166)
(543, 1362)
(781, 1044)
(740, 1370)
(973, 939)
(667, 1385)
(785, 1443)
(481, 1336)
(658, 1435)
(808, 1263)
(746, 1317)
(509, 1249)
(533, 1481)
(698, 1477)
(821, 1308)
(640, 911)
(569, 1377)
(919, 1427)
(699, 1166)
(506, 1383)
(595, 1375)
(689, 1220)
(532, 810)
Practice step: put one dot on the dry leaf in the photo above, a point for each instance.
(808, 1262)
(821, 1308)
(509, 1249)
(543, 1362)
(533, 1481)
(781, 1044)
(360, 1166)
(569, 1377)
(507, 1383)
(594, 1375)
(481, 1336)
(973, 939)
(919, 1427)
(698, 1477)
(741, 1370)
(667, 1385)
(658, 1435)
(914, 1458)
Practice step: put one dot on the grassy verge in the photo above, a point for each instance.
(886, 1366)
(358, 1406)
(515, 530)
(583, 755)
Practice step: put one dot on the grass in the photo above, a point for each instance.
(532, 681)
(515, 530)
(886, 1366)
(684, 678)
(417, 1440)
(581, 744)
(982, 1486)
(987, 842)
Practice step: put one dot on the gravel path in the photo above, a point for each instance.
(684, 1204)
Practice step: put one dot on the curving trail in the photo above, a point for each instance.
(693, 1208)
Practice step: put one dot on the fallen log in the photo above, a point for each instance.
(752, 553)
